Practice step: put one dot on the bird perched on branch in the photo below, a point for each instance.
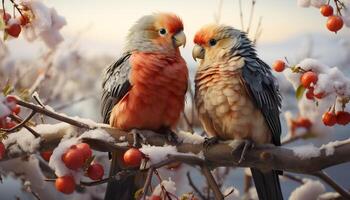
(145, 88)
(237, 97)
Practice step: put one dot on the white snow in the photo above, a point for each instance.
(306, 151)
(46, 24)
(310, 190)
(157, 154)
(329, 148)
(23, 140)
(97, 134)
(169, 186)
(4, 109)
(33, 176)
(187, 137)
(328, 196)
(56, 159)
(57, 164)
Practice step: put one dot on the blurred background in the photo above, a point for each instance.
(94, 37)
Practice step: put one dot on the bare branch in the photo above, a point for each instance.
(212, 183)
(323, 176)
(194, 186)
(53, 115)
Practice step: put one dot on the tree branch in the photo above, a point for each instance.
(323, 176)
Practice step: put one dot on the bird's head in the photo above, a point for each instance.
(160, 32)
(216, 42)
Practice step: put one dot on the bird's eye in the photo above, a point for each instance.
(212, 42)
(162, 31)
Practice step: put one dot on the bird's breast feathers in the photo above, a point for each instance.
(156, 98)
(224, 106)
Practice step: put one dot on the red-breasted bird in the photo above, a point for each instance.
(237, 97)
(145, 88)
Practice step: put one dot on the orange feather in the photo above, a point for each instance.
(156, 99)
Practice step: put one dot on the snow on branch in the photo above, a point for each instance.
(296, 159)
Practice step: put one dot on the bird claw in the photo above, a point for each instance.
(138, 138)
(241, 144)
(210, 141)
(172, 137)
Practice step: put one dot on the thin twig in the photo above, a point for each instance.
(258, 31)
(147, 183)
(32, 131)
(251, 16)
(21, 123)
(293, 178)
(194, 187)
(212, 183)
(241, 14)
(53, 115)
(16, 6)
(327, 179)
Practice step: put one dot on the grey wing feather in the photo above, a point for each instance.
(263, 88)
(115, 85)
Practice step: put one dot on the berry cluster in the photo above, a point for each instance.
(78, 157)
(11, 103)
(308, 81)
(334, 22)
(331, 118)
(13, 25)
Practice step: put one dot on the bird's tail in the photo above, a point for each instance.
(267, 184)
(119, 189)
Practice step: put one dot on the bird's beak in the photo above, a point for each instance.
(198, 52)
(179, 39)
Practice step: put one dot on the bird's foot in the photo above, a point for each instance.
(209, 141)
(243, 146)
(138, 138)
(172, 137)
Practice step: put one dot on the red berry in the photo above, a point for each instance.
(24, 19)
(334, 23)
(95, 171)
(46, 155)
(11, 99)
(320, 95)
(16, 109)
(155, 197)
(307, 78)
(73, 159)
(343, 118)
(2, 150)
(65, 184)
(310, 94)
(304, 122)
(85, 148)
(132, 157)
(326, 10)
(10, 124)
(6, 17)
(14, 30)
(279, 65)
(329, 119)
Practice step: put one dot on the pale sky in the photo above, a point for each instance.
(105, 23)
